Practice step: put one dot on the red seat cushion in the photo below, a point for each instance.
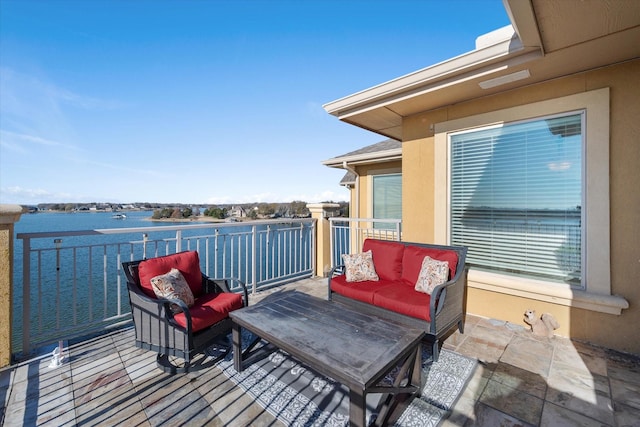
(387, 257)
(404, 300)
(187, 262)
(361, 291)
(412, 261)
(210, 309)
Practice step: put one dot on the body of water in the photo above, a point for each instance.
(80, 282)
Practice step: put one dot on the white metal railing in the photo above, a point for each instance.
(73, 283)
(348, 234)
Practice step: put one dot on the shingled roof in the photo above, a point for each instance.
(389, 149)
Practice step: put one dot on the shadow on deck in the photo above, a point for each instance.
(521, 380)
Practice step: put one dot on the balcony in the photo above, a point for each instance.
(519, 379)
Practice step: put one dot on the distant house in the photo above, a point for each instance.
(237, 212)
(526, 150)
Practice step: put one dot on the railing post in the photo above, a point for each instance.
(178, 241)
(254, 259)
(9, 215)
(321, 212)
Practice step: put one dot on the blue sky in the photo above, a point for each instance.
(203, 101)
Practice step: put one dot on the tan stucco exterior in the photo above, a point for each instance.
(420, 197)
(9, 215)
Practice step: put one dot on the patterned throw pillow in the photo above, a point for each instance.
(173, 285)
(432, 274)
(359, 267)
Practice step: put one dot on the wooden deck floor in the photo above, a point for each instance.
(521, 380)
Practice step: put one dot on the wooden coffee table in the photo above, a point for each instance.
(354, 348)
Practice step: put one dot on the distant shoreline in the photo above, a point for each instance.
(194, 219)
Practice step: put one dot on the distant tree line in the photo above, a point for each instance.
(294, 209)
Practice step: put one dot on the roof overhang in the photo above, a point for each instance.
(546, 40)
(364, 159)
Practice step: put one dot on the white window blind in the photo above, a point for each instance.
(516, 197)
(387, 198)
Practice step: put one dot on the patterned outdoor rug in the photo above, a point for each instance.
(298, 396)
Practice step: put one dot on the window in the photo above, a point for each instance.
(387, 198)
(516, 197)
(595, 266)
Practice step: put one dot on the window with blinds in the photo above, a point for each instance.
(387, 198)
(516, 197)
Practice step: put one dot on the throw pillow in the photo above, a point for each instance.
(173, 285)
(432, 274)
(359, 267)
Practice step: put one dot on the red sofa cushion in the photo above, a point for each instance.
(387, 257)
(210, 309)
(412, 261)
(403, 300)
(187, 262)
(361, 291)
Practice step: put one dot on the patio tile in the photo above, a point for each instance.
(529, 354)
(520, 379)
(488, 416)
(583, 383)
(623, 367)
(463, 410)
(586, 402)
(581, 358)
(626, 415)
(518, 404)
(557, 416)
(625, 392)
(485, 344)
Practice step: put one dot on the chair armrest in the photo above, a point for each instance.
(222, 285)
(149, 305)
(337, 270)
(447, 301)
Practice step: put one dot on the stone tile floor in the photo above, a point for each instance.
(521, 380)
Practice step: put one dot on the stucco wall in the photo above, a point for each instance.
(613, 331)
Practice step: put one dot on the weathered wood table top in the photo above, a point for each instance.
(353, 348)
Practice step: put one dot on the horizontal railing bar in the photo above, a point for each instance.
(43, 234)
(88, 289)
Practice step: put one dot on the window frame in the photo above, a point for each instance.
(596, 225)
(371, 174)
(582, 114)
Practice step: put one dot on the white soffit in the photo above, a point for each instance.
(495, 47)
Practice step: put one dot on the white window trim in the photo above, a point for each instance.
(596, 295)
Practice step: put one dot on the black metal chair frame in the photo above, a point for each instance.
(156, 329)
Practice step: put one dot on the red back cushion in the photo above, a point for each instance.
(387, 258)
(412, 261)
(187, 262)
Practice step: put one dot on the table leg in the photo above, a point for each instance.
(357, 405)
(416, 375)
(237, 347)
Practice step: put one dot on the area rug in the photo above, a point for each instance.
(298, 396)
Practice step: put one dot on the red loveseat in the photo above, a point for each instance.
(394, 297)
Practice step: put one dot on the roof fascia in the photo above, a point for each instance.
(462, 64)
(365, 158)
(523, 20)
